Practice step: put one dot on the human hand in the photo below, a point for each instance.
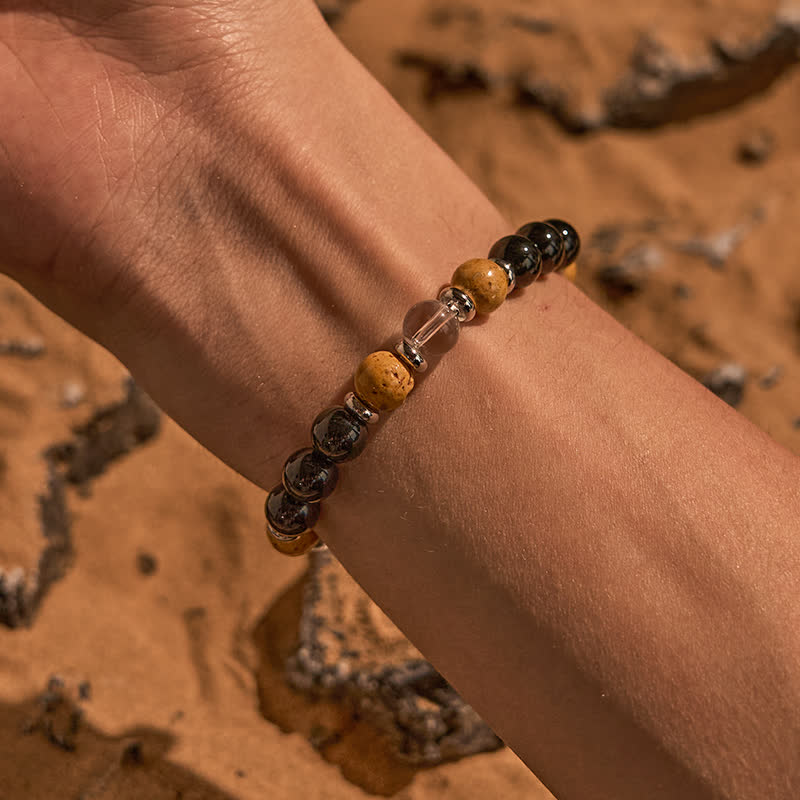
(103, 104)
(214, 183)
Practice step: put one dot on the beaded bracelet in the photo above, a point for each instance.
(383, 380)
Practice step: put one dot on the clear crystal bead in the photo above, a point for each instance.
(431, 327)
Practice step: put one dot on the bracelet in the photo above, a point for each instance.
(383, 380)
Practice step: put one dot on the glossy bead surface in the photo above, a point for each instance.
(411, 356)
(287, 514)
(521, 254)
(338, 434)
(292, 545)
(362, 411)
(309, 475)
(511, 278)
(431, 327)
(383, 381)
(484, 281)
(572, 242)
(459, 301)
(547, 241)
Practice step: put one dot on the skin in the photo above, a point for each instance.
(599, 554)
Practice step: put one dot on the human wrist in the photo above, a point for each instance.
(287, 252)
(305, 191)
(90, 202)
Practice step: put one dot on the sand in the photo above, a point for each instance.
(137, 677)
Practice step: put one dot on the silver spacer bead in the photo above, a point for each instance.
(509, 271)
(354, 404)
(462, 305)
(281, 537)
(411, 356)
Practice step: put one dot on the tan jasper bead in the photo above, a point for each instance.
(382, 381)
(296, 546)
(484, 281)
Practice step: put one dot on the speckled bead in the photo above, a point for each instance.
(339, 434)
(310, 475)
(521, 254)
(287, 514)
(572, 242)
(292, 545)
(484, 281)
(382, 381)
(547, 241)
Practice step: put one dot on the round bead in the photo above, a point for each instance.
(511, 278)
(459, 301)
(431, 328)
(292, 545)
(383, 381)
(309, 475)
(362, 411)
(287, 514)
(572, 242)
(484, 281)
(521, 254)
(338, 434)
(547, 241)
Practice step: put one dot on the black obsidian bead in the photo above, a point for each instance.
(547, 241)
(338, 434)
(309, 475)
(520, 252)
(572, 242)
(287, 514)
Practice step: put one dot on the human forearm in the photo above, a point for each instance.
(594, 550)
